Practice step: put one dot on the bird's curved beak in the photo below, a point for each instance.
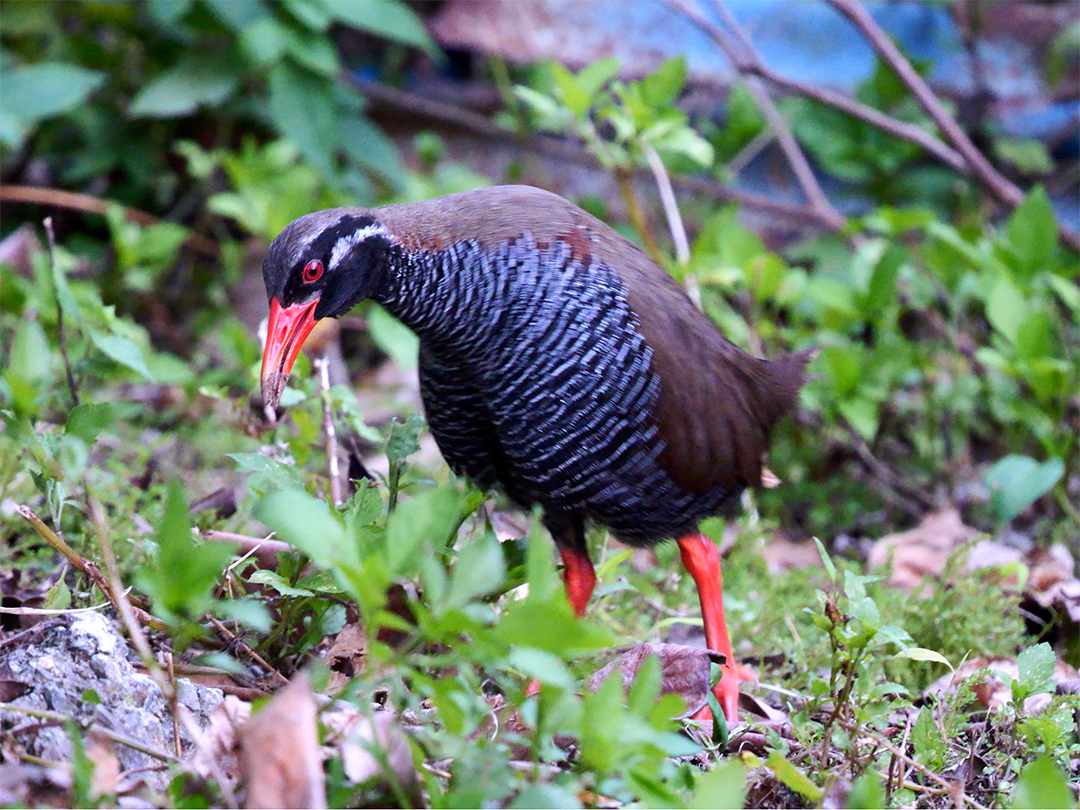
(285, 335)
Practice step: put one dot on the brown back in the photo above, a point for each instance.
(717, 403)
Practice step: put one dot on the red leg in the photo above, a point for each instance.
(578, 576)
(702, 559)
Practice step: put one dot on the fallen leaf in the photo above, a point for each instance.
(370, 746)
(280, 758)
(921, 551)
(992, 691)
(684, 670)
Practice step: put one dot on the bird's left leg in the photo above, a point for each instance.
(702, 559)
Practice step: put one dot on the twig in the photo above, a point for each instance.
(674, 219)
(57, 717)
(745, 60)
(977, 165)
(401, 101)
(86, 203)
(244, 648)
(323, 366)
(124, 607)
(72, 387)
(90, 569)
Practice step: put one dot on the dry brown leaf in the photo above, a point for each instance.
(684, 670)
(370, 747)
(992, 692)
(280, 759)
(215, 750)
(781, 554)
(100, 751)
(1051, 582)
(921, 551)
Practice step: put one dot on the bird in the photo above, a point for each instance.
(557, 363)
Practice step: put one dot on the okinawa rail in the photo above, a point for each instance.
(557, 362)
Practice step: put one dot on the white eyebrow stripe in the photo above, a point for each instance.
(347, 243)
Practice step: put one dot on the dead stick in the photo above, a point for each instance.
(86, 203)
(329, 429)
(72, 387)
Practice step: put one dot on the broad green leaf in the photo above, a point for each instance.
(923, 654)
(479, 569)
(593, 78)
(862, 414)
(1042, 784)
(661, 88)
(1032, 232)
(1036, 668)
(33, 93)
(793, 777)
(426, 519)
(930, 747)
(181, 576)
(542, 666)
(393, 337)
(1006, 307)
(1016, 482)
(722, 787)
(88, 420)
(280, 476)
(866, 792)
(126, 352)
(301, 108)
(306, 523)
(179, 90)
(390, 19)
(274, 580)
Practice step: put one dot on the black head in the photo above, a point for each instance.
(321, 265)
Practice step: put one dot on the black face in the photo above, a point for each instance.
(335, 256)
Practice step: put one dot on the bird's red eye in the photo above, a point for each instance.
(313, 271)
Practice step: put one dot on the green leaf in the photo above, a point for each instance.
(662, 88)
(862, 414)
(33, 93)
(1016, 482)
(1006, 307)
(274, 580)
(197, 80)
(125, 352)
(88, 420)
(593, 78)
(181, 576)
(1036, 668)
(393, 337)
(306, 523)
(385, 18)
(429, 518)
(1032, 232)
(923, 654)
(301, 108)
(866, 792)
(542, 666)
(1042, 784)
(279, 475)
(479, 569)
(930, 747)
(793, 777)
(724, 787)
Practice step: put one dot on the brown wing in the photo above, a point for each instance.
(717, 403)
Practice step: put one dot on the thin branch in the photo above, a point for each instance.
(234, 639)
(401, 101)
(125, 608)
(58, 198)
(57, 717)
(978, 166)
(743, 57)
(674, 219)
(83, 565)
(60, 332)
(329, 429)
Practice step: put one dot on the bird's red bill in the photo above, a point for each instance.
(285, 334)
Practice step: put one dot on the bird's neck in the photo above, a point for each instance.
(444, 296)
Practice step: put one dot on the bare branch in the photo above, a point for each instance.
(977, 165)
(741, 53)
